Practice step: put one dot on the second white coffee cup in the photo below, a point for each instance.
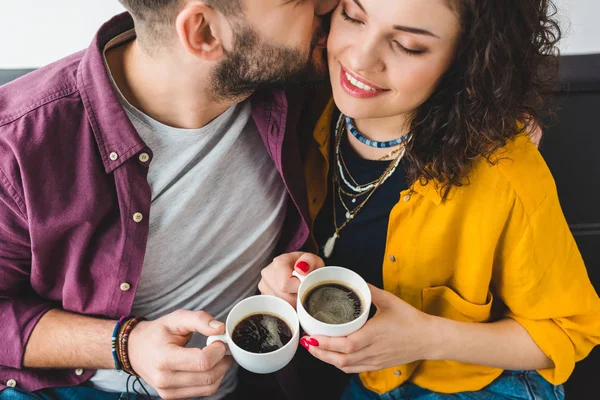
(344, 276)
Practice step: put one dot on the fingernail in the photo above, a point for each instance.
(302, 266)
(304, 343)
(313, 342)
(215, 324)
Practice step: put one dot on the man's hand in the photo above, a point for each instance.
(158, 354)
(277, 279)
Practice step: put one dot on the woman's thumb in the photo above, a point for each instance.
(307, 263)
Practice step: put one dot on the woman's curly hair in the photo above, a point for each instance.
(506, 63)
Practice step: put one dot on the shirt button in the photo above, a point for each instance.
(113, 156)
(79, 371)
(144, 157)
(138, 217)
(392, 258)
(11, 383)
(407, 198)
(397, 373)
(125, 286)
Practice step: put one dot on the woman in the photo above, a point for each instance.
(422, 179)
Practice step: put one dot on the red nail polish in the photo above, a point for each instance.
(313, 342)
(304, 343)
(302, 266)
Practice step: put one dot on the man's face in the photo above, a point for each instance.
(275, 42)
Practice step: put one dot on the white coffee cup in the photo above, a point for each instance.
(313, 326)
(261, 363)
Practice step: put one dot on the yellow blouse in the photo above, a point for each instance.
(498, 247)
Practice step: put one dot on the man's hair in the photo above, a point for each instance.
(153, 18)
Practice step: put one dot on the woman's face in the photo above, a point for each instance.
(386, 57)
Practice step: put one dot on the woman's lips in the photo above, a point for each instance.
(357, 87)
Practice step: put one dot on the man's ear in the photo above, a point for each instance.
(202, 31)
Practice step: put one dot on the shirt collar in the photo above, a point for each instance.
(116, 137)
(429, 191)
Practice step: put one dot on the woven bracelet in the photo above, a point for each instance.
(113, 344)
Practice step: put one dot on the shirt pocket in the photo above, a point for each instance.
(446, 303)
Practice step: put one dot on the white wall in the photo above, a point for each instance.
(37, 32)
(581, 26)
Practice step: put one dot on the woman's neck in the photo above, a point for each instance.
(380, 130)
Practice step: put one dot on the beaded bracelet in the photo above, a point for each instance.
(122, 344)
(120, 341)
(114, 343)
(123, 341)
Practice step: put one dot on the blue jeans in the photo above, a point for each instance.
(513, 385)
(68, 393)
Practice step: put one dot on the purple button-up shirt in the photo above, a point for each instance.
(70, 184)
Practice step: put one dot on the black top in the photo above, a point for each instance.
(360, 247)
(361, 244)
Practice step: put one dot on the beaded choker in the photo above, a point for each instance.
(373, 143)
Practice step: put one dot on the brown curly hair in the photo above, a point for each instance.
(506, 64)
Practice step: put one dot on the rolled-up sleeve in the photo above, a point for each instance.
(20, 307)
(541, 277)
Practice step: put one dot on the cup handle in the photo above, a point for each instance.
(219, 338)
(297, 275)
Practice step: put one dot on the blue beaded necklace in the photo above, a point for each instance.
(372, 143)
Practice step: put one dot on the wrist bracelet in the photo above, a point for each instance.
(114, 343)
(122, 344)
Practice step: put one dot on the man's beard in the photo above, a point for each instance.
(253, 64)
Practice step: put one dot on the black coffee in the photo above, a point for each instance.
(261, 333)
(333, 303)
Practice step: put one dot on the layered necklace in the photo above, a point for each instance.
(345, 184)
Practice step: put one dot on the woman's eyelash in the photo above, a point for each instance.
(351, 20)
(402, 48)
(409, 51)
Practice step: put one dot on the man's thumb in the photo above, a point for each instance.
(185, 322)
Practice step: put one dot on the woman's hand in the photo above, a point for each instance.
(397, 334)
(277, 279)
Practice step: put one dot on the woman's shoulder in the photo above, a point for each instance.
(516, 170)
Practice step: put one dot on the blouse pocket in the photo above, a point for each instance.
(445, 302)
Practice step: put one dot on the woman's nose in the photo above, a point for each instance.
(364, 57)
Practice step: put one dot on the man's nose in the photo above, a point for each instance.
(325, 6)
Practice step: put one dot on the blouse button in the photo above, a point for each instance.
(113, 156)
(397, 373)
(407, 198)
(392, 258)
(11, 383)
(79, 371)
(125, 286)
(144, 157)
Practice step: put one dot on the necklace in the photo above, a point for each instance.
(361, 189)
(337, 174)
(373, 143)
(391, 153)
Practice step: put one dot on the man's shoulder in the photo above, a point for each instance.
(39, 89)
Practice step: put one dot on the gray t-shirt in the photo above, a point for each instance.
(218, 206)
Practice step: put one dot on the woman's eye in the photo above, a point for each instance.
(351, 20)
(408, 51)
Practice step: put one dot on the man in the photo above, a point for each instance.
(139, 177)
